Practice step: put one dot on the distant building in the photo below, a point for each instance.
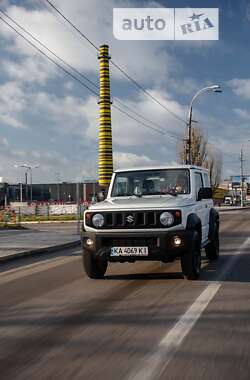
(54, 192)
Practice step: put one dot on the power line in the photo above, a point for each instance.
(162, 130)
(77, 79)
(71, 23)
(51, 59)
(147, 126)
(138, 85)
(82, 75)
(51, 52)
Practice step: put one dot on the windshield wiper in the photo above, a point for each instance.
(160, 193)
(136, 195)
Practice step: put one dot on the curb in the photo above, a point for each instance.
(43, 222)
(53, 248)
(50, 222)
(220, 209)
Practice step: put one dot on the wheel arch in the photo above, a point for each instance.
(214, 220)
(194, 223)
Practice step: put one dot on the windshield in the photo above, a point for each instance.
(151, 182)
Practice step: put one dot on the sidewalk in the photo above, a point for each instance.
(18, 243)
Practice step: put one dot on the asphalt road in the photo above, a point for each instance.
(143, 321)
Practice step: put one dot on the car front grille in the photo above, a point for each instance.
(135, 219)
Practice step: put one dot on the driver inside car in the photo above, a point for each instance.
(182, 184)
(148, 186)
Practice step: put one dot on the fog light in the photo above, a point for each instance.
(177, 241)
(90, 242)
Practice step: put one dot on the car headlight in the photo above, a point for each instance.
(166, 218)
(98, 220)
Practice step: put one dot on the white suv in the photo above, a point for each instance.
(156, 214)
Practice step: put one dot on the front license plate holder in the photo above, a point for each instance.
(128, 251)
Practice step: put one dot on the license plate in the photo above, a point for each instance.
(129, 251)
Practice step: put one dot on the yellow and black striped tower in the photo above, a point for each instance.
(105, 131)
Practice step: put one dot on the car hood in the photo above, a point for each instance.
(132, 203)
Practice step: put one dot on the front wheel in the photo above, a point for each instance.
(191, 260)
(93, 267)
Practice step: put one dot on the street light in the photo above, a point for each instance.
(242, 173)
(213, 88)
(21, 185)
(30, 168)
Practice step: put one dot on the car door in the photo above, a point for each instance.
(201, 207)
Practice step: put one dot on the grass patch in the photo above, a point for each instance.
(56, 218)
(4, 226)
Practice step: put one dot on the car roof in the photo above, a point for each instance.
(161, 168)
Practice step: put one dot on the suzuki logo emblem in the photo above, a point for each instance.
(130, 218)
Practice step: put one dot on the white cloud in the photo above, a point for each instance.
(243, 114)
(12, 103)
(247, 12)
(4, 143)
(29, 70)
(140, 59)
(240, 87)
(11, 121)
(69, 114)
(126, 160)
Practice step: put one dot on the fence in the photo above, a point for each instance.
(18, 213)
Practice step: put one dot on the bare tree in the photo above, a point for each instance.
(198, 148)
(214, 165)
(202, 154)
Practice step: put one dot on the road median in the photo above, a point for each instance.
(50, 249)
(20, 243)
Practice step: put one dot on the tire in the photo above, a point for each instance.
(191, 260)
(94, 268)
(213, 248)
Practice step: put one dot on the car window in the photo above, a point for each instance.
(198, 183)
(152, 182)
(206, 180)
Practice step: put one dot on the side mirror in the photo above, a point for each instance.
(101, 195)
(205, 193)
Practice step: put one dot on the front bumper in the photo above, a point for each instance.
(160, 245)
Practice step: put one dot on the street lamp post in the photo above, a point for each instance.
(20, 183)
(214, 88)
(30, 168)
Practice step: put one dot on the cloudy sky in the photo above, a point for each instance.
(49, 119)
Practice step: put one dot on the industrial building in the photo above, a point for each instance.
(65, 192)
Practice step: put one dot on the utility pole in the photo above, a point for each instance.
(20, 182)
(242, 176)
(31, 186)
(58, 185)
(29, 168)
(26, 185)
(78, 208)
(189, 147)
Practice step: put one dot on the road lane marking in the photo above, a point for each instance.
(156, 363)
(229, 265)
(173, 339)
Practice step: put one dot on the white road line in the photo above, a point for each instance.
(172, 340)
(156, 363)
